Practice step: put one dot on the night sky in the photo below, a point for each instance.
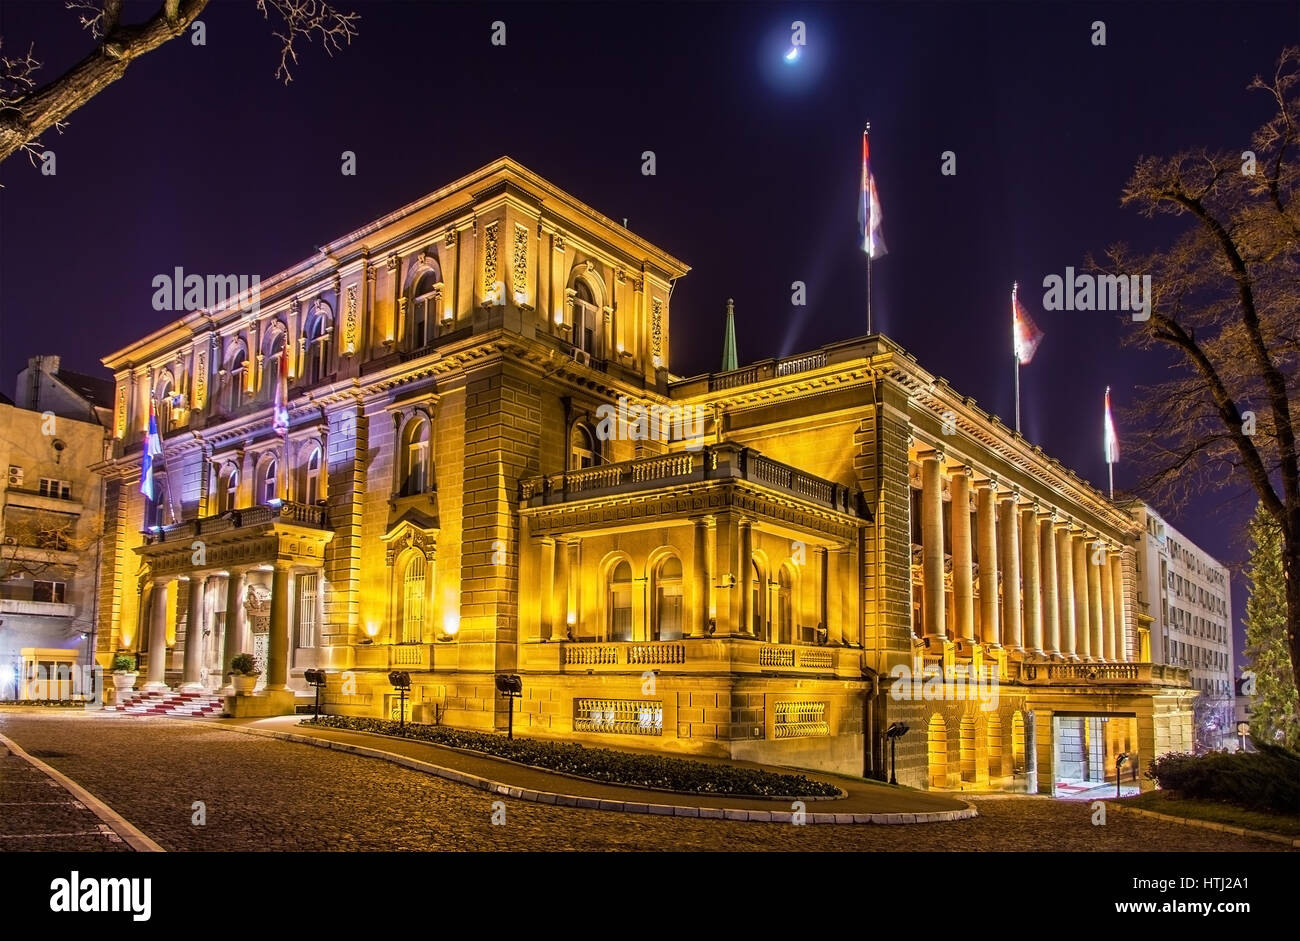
(199, 158)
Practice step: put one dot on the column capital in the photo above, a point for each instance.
(934, 455)
(989, 482)
(963, 470)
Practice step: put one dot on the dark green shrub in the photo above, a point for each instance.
(123, 664)
(1267, 780)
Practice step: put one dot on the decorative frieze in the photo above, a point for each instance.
(519, 262)
(350, 321)
(656, 330)
(490, 257)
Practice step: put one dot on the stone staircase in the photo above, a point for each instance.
(171, 703)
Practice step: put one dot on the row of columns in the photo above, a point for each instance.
(235, 639)
(1062, 587)
(721, 603)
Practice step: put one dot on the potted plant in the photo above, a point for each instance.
(243, 673)
(124, 673)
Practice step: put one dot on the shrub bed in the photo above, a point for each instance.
(52, 703)
(1267, 780)
(601, 764)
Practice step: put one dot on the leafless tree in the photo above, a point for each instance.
(1225, 305)
(27, 109)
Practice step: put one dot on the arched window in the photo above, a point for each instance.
(757, 584)
(667, 618)
(785, 606)
(318, 348)
(411, 624)
(270, 492)
(585, 317)
(236, 377)
(620, 602)
(415, 476)
(582, 448)
(311, 477)
(227, 488)
(424, 310)
(275, 351)
(163, 404)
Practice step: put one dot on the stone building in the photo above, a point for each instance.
(51, 433)
(489, 469)
(1185, 606)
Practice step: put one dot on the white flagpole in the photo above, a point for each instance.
(1015, 353)
(870, 222)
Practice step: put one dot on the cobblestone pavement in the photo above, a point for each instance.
(36, 813)
(263, 794)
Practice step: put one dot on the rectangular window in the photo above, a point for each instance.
(59, 489)
(49, 591)
(308, 591)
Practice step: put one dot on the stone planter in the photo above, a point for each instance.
(243, 683)
(124, 682)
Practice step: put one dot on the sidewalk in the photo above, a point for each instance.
(867, 802)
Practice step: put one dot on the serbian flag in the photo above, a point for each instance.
(152, 449)
(1111, 439)
(1025, 332)
(873, 241)
(280, 409)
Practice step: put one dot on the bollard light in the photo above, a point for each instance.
(315, 679)
(895, 731)
(400, 681)
(510, 686)
(1119, 763)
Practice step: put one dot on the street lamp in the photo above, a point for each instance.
(1119, 763)
(401, 681)
(510, 686)
(316, 679)
(895, 731)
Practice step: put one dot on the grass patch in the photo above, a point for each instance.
(1176, 805)
(601, 764)
(48, 703)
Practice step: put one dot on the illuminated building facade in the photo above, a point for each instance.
(489, 469)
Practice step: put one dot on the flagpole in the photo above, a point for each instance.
(867, 133)
(1015, 354)
(1017, 359)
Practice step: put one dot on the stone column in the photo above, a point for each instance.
(963, 589)
(851, 633)
(277, 659)
(234, 627)
(156, 678)
(1009, 561)
(1096, 626)
(1065, 590)
(1030, 557)
(932, 544)
(1108, 606)
(729, 582)
(1082, 610)
(834, 593)
(191, 678)
(546, 591)
(703, 580)
(1050, 586)
(560, 592)
(743, 578)
(986, 523)
(1121, 625)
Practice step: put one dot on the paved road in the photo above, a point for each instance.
(264, 794)
(37, 813)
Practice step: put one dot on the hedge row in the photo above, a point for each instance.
(1267, 780)
(602, 764)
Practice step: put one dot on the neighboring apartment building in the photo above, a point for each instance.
(51, 434)
(1186, 597)
(448, 494)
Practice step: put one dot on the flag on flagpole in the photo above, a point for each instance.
(1111, 439)
(280, 409)
(1024, 330)
(152, 449)
(873, 240)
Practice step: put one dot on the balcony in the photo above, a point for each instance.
(45, 609)
(720, 462)
(1100, 674)
(414, 658)
(691, 655)
(300, 514)
(50, 502)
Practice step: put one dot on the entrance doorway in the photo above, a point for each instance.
(1085, 749)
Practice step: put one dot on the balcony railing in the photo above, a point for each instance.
(300, 514)
(767, 369)
(1100, 673)
(714, 462)
(691, 655)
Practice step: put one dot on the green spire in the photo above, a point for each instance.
(729, 361)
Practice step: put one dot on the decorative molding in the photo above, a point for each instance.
(559, 242)
(350, 321)
(490, 257)
(449, 239)
(519, 260)
(656, 329)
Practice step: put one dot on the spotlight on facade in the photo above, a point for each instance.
(895, 731)
(450, 626)
(793, 54)
(315, 679)
(510, 686)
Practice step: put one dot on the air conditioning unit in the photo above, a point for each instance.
(581, 356)
(15, 476)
